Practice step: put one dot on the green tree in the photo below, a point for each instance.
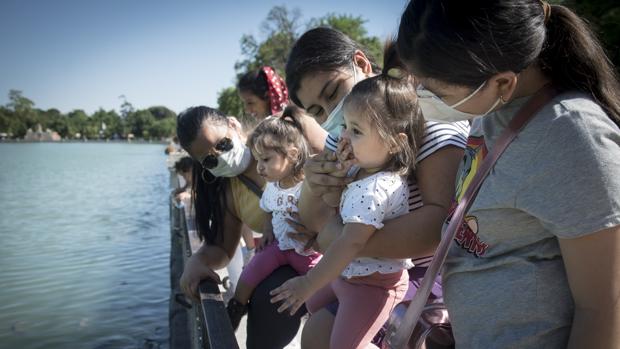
(106, 123)
(23, 114)
(281, 30)
(354, 28)
(18, 102)
(54, 120)
(6, 120)
(78, 124)
(139, 122)
(161, 112)
(229, 103)
(604, 17)
(163, 128)
(126, 107)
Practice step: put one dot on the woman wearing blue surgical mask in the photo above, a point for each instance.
(536, 262)
(322, 68)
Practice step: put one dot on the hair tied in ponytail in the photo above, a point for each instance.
(291, 115)
(546, 10)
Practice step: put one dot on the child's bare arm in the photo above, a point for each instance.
(296, 291)
(340, 253)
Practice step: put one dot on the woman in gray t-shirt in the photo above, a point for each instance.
(535, 264)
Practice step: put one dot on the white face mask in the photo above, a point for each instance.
(333, 124)
(233, 162)
(434, 109)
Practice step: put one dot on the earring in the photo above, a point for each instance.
(501, 98)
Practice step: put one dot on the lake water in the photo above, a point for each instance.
(84, 246)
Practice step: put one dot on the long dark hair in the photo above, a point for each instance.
(318, 50)
(390, 102)
(208, 191)
(465, 43)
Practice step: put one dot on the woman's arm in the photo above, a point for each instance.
(417, 233)
(268, 236)
(313, 211)
(313, 132)
(593, 268)
(202, 263)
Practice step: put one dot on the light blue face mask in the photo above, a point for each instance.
(333, 124)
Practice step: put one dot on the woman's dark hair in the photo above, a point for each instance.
(279, 135)
(466, 42)
(390, 102)
(254, 82)
(319, 50)
(184, 164)
(208, 191)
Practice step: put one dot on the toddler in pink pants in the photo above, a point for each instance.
(383, 127)
(280, 150)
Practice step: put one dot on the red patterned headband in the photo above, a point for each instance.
(278, 94)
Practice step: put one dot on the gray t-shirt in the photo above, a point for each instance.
(505, 284)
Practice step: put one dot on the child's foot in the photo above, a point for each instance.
(236, 311)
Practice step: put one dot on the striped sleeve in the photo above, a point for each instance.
(422, 262)
(331, 142)
(438, 135)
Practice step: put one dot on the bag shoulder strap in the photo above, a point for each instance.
(251, 185)
(523, 116)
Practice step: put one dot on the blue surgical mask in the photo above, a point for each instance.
(435, 109)
(335, 119)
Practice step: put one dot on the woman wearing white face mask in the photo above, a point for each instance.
(322, 68)
(224, 182)
(436, 109)
(535, 264)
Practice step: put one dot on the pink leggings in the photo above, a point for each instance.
(271, 258)
(365, 304)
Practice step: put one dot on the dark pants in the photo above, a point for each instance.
(268, 329)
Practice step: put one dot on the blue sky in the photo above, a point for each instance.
(84, 54)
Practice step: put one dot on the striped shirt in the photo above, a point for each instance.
(436, 136)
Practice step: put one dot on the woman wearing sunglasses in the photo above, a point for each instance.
(225, 198)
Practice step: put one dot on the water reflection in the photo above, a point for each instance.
(84, 246)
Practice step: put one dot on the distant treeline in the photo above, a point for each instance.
(19, 115)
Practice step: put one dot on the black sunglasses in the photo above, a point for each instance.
(210, 161)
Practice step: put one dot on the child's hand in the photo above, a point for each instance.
(326, 177)
(294, 292)
(265, 240)
(344, 153)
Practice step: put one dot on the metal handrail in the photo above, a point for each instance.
(213, 329)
